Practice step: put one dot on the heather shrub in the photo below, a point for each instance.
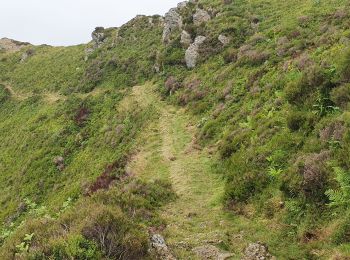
(344, 66)
(114, 235)
(295, 120)
(341, 95)
(308, 177)
(241, 186)
(171, 85)
(230, 55)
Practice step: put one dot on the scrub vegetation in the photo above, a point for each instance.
(103, 146)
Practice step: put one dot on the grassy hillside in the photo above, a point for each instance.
(267, 113)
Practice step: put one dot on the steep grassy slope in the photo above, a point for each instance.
(268, 112)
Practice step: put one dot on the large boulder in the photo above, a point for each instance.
(200, 16)
(192, 54)
(172, 21)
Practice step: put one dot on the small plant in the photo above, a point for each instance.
(321, 108)
(24, 246)
(341, 196)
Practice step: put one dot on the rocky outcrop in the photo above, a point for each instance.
(186, 39)
(201, 16)
(98, 36)
(160, 247)
(10, 45)
(192, 54)
(172, 22)
(257, 251)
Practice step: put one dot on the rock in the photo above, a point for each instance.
(98, 36)
(28, 53)
(210, 252)
(182, 5)
(224, 39)
(256, 251)
(12, 45)
(201, 16)
(59, 162)
(186, 39)
(192, 54)
(162, 250)
(88, 52)
(172, 21)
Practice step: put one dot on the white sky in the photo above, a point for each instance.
(69, 22)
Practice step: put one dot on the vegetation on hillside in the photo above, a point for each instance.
(271, 106)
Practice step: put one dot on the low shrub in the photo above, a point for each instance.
(344, 66)
(341, 234)
(308, 178)
(341, 95)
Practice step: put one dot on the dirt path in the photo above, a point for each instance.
(196, 220)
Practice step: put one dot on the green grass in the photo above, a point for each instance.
(271, 129)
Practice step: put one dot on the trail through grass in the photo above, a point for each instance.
(196, 217)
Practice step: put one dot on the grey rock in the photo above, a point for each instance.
(182, 5)
(28, 53)
(162, 250)
(88, 52)
(186, 39)
(192, 54)
(98, 36)
(172, 21)
(257, 251)
(224, 39)
(201, 16)
(210, 252)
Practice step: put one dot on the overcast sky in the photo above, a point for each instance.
(69, 22)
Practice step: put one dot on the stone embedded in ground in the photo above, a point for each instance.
(257, 251)
(210, 252)
(224, 39)
(59, 162)
(161, 248)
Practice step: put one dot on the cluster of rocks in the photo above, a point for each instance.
(173, 23)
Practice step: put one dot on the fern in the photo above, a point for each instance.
(340, 197)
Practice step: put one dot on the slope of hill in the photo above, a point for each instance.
(220, 125)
